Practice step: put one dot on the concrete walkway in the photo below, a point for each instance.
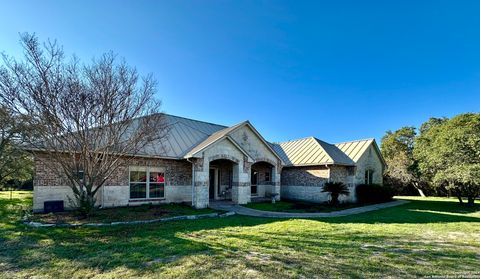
(229, 206)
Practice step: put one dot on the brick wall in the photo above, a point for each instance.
(304, 176)
(51, 185)
(177, 172)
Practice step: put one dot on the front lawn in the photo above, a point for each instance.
(298, 206)
(131, 213)
(426, 237)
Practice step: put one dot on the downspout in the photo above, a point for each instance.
(193, 182)
(328, 172)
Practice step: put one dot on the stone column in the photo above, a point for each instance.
(200, 191)
(276, 180)
(241, 191)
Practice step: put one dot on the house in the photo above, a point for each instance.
(311, 162)
(199, 162)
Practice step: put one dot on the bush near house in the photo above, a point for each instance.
(374, 193)
(336, 189)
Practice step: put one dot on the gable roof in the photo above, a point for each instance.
(217, 136)
(224, 133)
(355, 149)
(311, 151)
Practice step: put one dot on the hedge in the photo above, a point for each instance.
(374, 193)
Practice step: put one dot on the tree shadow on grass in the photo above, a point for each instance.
(107, 248)
(155, 247)
(415, 212)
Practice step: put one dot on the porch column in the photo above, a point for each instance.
(241, 183)
(201, 183)
(276, 181)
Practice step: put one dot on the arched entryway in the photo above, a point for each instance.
(221, 179)
(262, 177)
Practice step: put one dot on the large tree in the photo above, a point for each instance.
(15, 164)
(397, 149)
(89, 119)
(448, 153)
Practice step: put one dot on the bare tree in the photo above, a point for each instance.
(89, 119)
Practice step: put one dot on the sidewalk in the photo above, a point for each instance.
(229, 206)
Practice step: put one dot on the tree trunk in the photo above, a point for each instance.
(460, 198)
(420, 191)
(471, 201)
(334, 199)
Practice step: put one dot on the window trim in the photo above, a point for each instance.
(147, 171)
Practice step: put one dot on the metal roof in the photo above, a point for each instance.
(355, 149)
(186, 137)
(183, 135)
(311, 151)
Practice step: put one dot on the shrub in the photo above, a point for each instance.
(374, 193)
(335, 189)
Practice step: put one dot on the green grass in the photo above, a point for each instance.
(298, 206)
(132, 213)
(421, 238)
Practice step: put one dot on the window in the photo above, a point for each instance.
(78, 174)
(253, 182)
(369, 177)
(147, 183)
(267, 176)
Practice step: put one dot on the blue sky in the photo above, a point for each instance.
(337, 70)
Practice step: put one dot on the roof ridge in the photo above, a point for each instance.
(326, 152)
(367, 139)
(305, 138)
(323, 141)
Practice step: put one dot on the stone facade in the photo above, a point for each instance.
(305, 183)
(50, 185)
(370, 160)
(233, 157)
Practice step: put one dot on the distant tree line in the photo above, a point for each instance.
(442, 157)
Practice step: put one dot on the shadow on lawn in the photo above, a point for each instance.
(137, 247)
(415, 212)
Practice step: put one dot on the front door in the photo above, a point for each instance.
(253, 182)
(211, 192)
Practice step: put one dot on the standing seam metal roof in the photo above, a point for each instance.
(354, 149)
(311, 151)
(184, 134)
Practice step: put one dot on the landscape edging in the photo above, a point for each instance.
(137, 222)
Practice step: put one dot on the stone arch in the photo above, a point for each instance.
(223, 157)
(266, 160)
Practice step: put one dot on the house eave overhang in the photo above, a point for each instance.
(319, 164)
(265, 142)
(199, 154)
(32, 150)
